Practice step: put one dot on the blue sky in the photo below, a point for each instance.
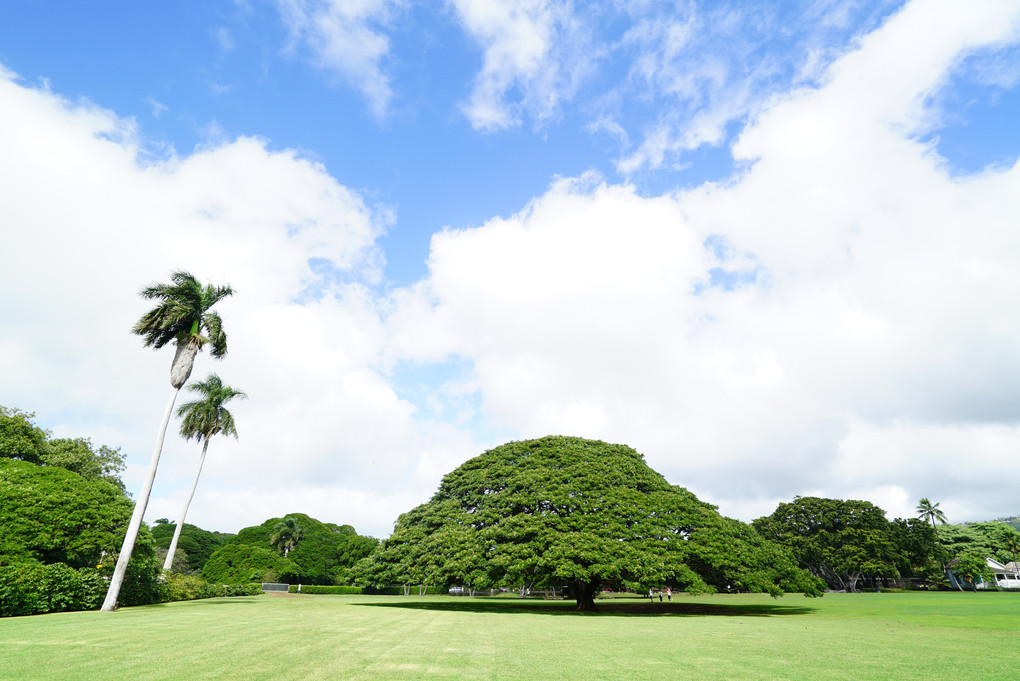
(771, 247)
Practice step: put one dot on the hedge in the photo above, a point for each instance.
(313, 589)
(380, 591)
(31, 588)
(177, 587)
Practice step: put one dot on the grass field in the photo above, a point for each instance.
(896, 636)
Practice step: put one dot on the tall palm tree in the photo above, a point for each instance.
(286, 535)
(930, 512)
(201, 420)
(183, 314)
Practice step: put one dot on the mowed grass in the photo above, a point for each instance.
(900, 636)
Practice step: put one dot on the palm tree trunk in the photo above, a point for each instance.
(110, 604)
(184, 512)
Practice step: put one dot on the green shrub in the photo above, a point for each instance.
(178, 587)
(19, 589)
(314, 589)
(32, 588)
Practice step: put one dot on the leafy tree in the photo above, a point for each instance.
(566, 511)
(286, 535)
(183, 315)
(20, 438)
(918, 553)
(324, 556)
(243, 563)
(839, 541)
(991, 539)
(1013, 522)
(972, 567)
(1011, 542)
(53, 515)
(201, 420)
(78, 455)
(196, 544)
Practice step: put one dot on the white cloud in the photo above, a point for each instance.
(699, 88)
(535, 53)
(854, 339)
(345, 37)
(87, 224)
(835, 319)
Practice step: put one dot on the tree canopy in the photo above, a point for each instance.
(990, 539)
(564, 511)
(197, 544)
(21, 439)
(54, 515)
(324, 555)
(843, 541)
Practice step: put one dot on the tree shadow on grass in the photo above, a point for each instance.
(631, 609)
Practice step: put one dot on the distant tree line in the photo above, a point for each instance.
(561, 513)
(63, 514)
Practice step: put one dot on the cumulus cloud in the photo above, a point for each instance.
(833, 320)
(89, 220)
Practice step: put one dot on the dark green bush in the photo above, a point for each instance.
(31, 588)
(177, 587)
(314, 589)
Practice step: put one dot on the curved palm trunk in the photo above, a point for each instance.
(184, 512)
(110, 604)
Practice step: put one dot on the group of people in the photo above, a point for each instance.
(669, 595)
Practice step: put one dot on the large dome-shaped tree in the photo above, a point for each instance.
(568, 511)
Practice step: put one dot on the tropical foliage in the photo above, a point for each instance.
(991, 539)
(847, 541)
(244, 563)
(22, 440)
(589, 515)
(201, 419)
(31, 588)
(53, 515)
(183, 314)
(196, 544)
(324, 555)
(286, 534)
(930, 512)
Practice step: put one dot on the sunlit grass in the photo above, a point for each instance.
(841, 636)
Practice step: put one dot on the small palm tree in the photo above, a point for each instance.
(182, 315)
(286, 535)
(930, 512)
(201, 420)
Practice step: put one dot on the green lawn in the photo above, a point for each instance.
(901, 637)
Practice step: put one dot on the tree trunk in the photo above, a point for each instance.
(184, 512)
(184, 361)
(110, 603)
(586, 595)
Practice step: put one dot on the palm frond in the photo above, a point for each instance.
(215, 335)
(203, 418)
(183, 313)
